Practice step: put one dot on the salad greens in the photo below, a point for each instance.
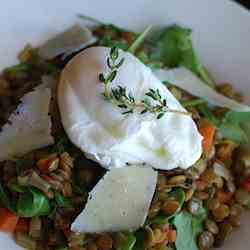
(231, 125)
(30, 203)
(174, 47)
(188, 227)
(128, 241)
(33, 203)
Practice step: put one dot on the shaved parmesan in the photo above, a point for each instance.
(119, 202)
(189, 82)
(29, 126)
(68, 42)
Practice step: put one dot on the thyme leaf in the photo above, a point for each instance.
(152, 103)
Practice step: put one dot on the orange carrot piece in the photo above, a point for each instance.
(8, 220)
(171, 235)
(207, 130)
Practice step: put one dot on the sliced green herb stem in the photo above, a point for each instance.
(138, 41)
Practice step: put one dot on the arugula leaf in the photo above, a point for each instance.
(21, 67)
(188, 227)
(33, 203)
(233, 132)
(174, 47)
(238, 118)
(231, 126)
(62, 201)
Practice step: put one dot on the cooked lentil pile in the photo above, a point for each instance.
(47, 188)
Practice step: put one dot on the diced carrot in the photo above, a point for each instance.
(200, 184)
(207, 130)
(22, 226)
(43, 164)
(223, 196)
(246, 185)
(171, 235)
(8, 220)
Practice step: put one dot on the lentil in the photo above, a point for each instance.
(170, 207)
(188, 195)
(206, 240)
(221, 212)
(211, 226)
(178, 179)
(242, 197)
(213, 204)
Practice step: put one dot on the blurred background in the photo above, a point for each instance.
(246, 3)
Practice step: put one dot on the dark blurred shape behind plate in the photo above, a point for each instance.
(246, 3)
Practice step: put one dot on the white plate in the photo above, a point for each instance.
(221, 37)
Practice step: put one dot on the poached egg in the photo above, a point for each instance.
(112, 139)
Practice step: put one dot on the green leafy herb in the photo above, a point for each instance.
(62, 201)
(21, 67)
(127, 241)
(174, 47)
(152, 103)
(138, 41)
(231, 125)
(33, 203)
(188, 227)
(113, 65)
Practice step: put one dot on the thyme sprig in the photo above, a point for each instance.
(152, 103)
(113, 66)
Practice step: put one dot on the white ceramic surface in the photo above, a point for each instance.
(221, 37)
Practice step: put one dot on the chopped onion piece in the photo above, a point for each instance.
(189, 82)
(68, 42)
